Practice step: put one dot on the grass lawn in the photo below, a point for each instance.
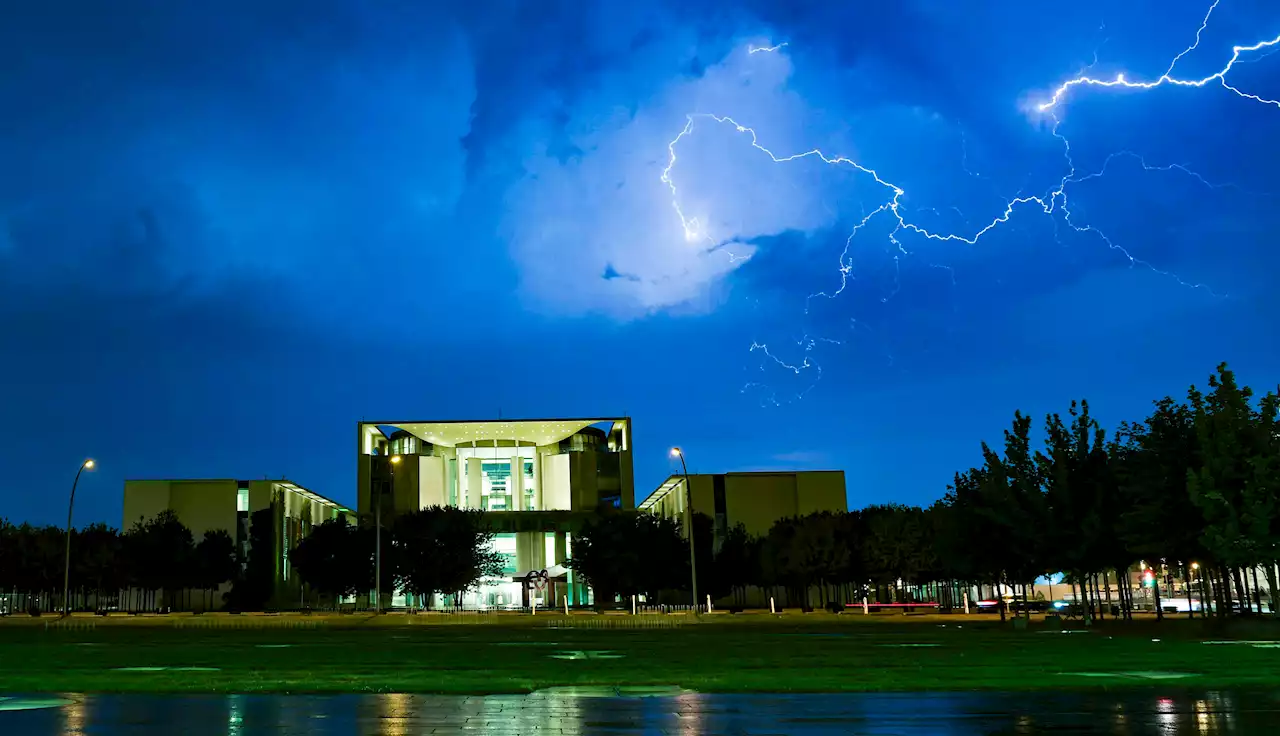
(732, 654)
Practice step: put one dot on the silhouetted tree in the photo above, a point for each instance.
(1234, 486)
(96, 562)
(334, 560)
(735, 562)
(254, 585)
(215, 562)
(443, 550)
(629, 552)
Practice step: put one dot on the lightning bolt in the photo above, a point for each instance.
(1053, 202)
(807, 362)
(1167, 78)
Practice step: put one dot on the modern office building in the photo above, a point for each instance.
(231, 505)
(755, 500)
(537, 481)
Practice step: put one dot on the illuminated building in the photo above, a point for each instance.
(235, 506)
(756, 500)
(537, 481)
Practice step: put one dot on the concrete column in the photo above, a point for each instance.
(561, 547)
(475, 484)
(515, 487)
(537, 478)
(530, 551)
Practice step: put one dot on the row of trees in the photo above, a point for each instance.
(158, 564)
(1192, 489)
(821, 558)
(1195, 486)
(437, 550)
(110, 569)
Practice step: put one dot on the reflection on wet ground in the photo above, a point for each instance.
(647, 711)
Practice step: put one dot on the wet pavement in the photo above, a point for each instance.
(656, 711)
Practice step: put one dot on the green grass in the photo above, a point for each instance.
(739, 654)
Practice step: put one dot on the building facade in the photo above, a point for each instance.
(537, 482)
(232, 506)
(755, 500)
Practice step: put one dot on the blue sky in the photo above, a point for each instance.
(227, 236)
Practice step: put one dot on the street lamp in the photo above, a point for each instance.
(688, 512)
(66, 570)
(377, 555)
(1191, 574)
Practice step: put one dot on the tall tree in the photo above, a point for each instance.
(333, 560)
(1078, 480)
(896, 546)
(1238, 504)
(96, 562)
(735, 562)
(158, 554)
(625, 553)
(443, 550)
(216, 561)
(255, 584)
(1151, 460)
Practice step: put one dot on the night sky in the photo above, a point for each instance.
(229, 232)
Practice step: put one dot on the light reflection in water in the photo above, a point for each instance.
(394, 711)
(689, 711)
(235, 714)
(75, 716)
(1204, 718)
(594, 709)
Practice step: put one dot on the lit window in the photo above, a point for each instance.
(242, 499)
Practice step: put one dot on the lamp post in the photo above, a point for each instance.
(66, 570)
(1191, 609)
(377, 554)
(688, 512)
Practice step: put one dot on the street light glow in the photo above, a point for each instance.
(88, 464)
(395, 458)
(675, 452)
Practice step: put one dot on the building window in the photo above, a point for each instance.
(284, 549)
(242, 499)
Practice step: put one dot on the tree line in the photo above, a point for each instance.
(154, 561)
(1191, 490)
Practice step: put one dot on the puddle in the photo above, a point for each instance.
(587, 654)
(166, 669)
(903, 646)
(35, 703)
(140, 669)
(1260, 644)
(525, 643)
(1135, 675)
(273, 646)
(1065, 631)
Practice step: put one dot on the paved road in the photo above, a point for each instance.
(657, 712)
